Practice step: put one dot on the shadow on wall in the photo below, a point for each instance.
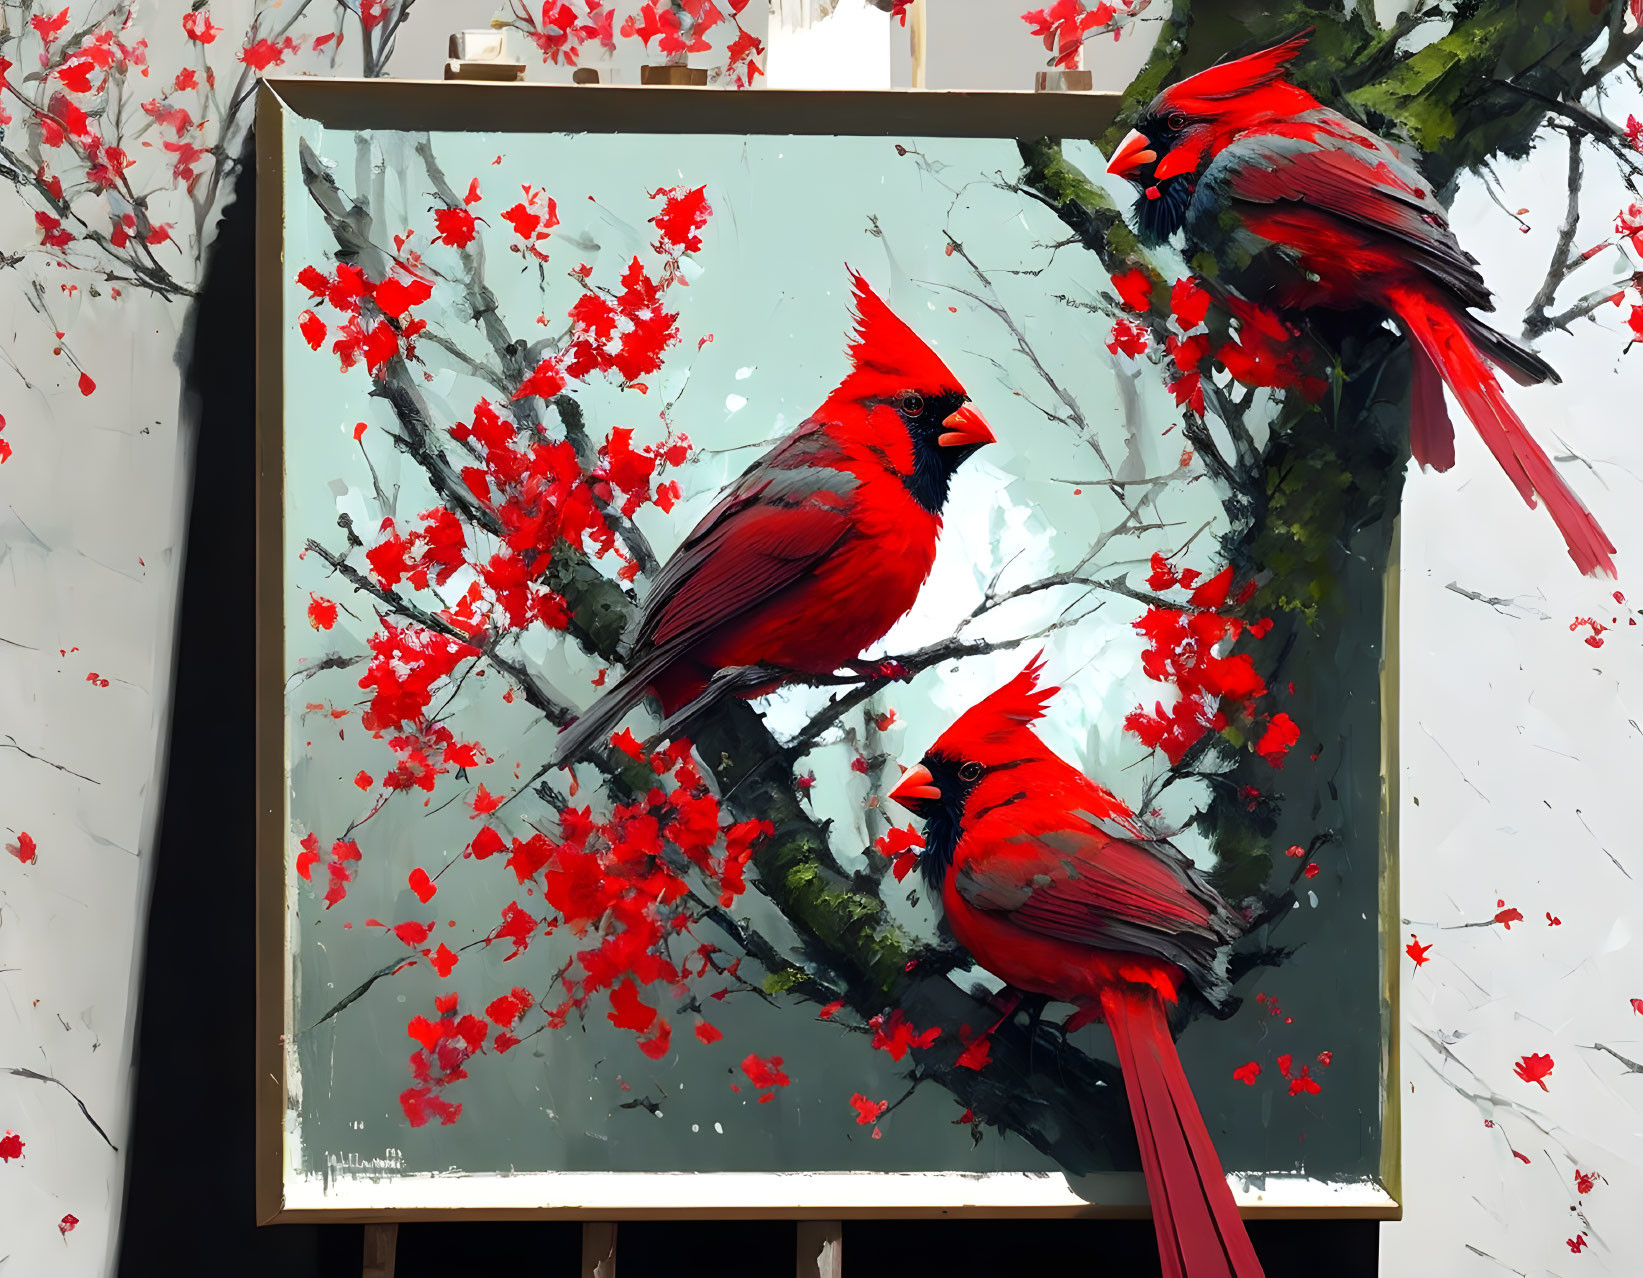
(189, 1197)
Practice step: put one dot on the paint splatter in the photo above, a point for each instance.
(1577, 1243)
(1595, 639)
(11, 1146)
(1585, 1182)
(1534, 1068)
(1303, 1084)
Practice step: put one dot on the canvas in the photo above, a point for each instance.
(507, 375)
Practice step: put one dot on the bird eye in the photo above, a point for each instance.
(970, 772)
(1176, 122)
(912, 404)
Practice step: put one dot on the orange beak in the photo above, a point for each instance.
(1134, 152)
(916, 788)
(965, 428)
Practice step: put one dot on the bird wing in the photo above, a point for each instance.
(785, 514)
(1078, 883)
(1325, 162)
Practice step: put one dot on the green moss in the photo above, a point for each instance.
(1060, 179)
(782, 981)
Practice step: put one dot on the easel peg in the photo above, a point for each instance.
(598, 1249)
(381, 1241)
(821, 1249)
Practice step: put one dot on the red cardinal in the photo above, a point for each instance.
(820, 546)
(1051, 884)
(1304, 208)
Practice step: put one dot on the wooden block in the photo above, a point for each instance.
(381, 1241)
(599, 1249)
(1064, 82)
(693, 76)
(821, 1249)
(505, 71)
(584, 75)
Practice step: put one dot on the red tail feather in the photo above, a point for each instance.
(1199, 1232)
(1445, 342)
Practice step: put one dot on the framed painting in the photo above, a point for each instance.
(562, 913)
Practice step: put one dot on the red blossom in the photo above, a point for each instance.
(764, 1072)
(1182, 650)
(1063, 25)
(902, 846)
(868, 1112)
(11, 1145)
(197, 25)
(1128, 338)
(313, 329)
(1585, 1182)
(1281, 733)
(49, 28)
(422, 885)
(456, 227)
(896, 1034)
(1304, 1084)
(1248, 1073)
(443, 959)
(1578, 1242)
(1134, 289)
(684, 213)
(1189, 303)
(1508, 916)
(405, 665)
(66, 1225)
(322, 613)
(23, 848)
(1534, 1068)
(1416, 950)
(977, 1052)
(262, 54)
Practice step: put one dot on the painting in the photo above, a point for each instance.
(573, 891)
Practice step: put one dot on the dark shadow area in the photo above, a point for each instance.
(189, 1196)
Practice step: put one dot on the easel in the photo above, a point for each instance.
(820, 1250)
(482, 55)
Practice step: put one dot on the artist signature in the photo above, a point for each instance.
(354, 1165)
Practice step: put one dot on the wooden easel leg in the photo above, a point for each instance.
(821, 1249)
(598, 1249)
(380, 1244)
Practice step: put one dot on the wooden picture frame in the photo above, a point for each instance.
(525, 108)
